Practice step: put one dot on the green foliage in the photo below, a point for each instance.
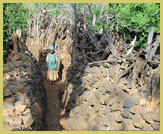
(136, 19)
(97, 11)
(79, 5)
(130, 20)
(14, 17)
(98, 25)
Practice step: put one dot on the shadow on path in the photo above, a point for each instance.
(53, 110)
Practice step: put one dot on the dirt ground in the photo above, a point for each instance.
(53, 116)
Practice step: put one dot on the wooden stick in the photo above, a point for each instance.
(125, 71)
(156, 45)
(15, 43)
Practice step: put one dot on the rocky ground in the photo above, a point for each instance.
(24, 96)
(97, 101)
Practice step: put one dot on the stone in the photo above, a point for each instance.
(8, 127)
(98, 95)
(103, 128)
(91, 113)
(118, 117)
(26, 111)
(106, 84)
(138, 121)
(121, 95)
(116, 126)
(13, 115)
(82, 110)
(7, 77)
(116, 107)
(92, 100)
(93, 125)
(8, 108)
(156, 115)
(100, 124)
(10, 100)
(17, 64)
(100, 112)
(97, 106)
(88, 96)
(106, 122)
(95, 70)
(6, 70)
(148, 117)
(101, 100)
(6, 92)
(112, 99)
(14, 73)
(20, 97)
(38, 110)
(27, 120)
(111, 117)
(146, 109)
(5, 83)
(7, 104)
(20, 106)
(124, 88)
(13, 121)
(106, 110)
(85, 96)
(156, 125)
(127, 124)
(147, 126)
(78, 123)
(111, 87)
(132, 127)
(7, 111)
(22, 87)
(142, 101)
(16, 88)
(97, 85)
(136, 109)
(129, 102)
(132, 91)
(136, 96)
(154, 103)
(126, 114)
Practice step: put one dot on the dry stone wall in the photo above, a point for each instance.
(24, 96)
(95, 101)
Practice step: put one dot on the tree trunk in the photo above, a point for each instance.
(110, 48)
(15, 43)
(84, 26)
(74, 26)
(94, 23)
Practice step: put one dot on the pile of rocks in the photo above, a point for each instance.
(96, 101)
(24, 96)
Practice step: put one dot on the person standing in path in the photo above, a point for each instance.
(52, 60)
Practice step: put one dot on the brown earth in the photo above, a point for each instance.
(53, 116)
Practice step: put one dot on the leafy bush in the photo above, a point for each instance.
(14, 17)
(136, 19)
(131, 20)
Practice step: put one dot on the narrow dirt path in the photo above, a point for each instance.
(53, 111)
(53, 116)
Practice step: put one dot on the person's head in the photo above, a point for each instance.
(51, 48)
